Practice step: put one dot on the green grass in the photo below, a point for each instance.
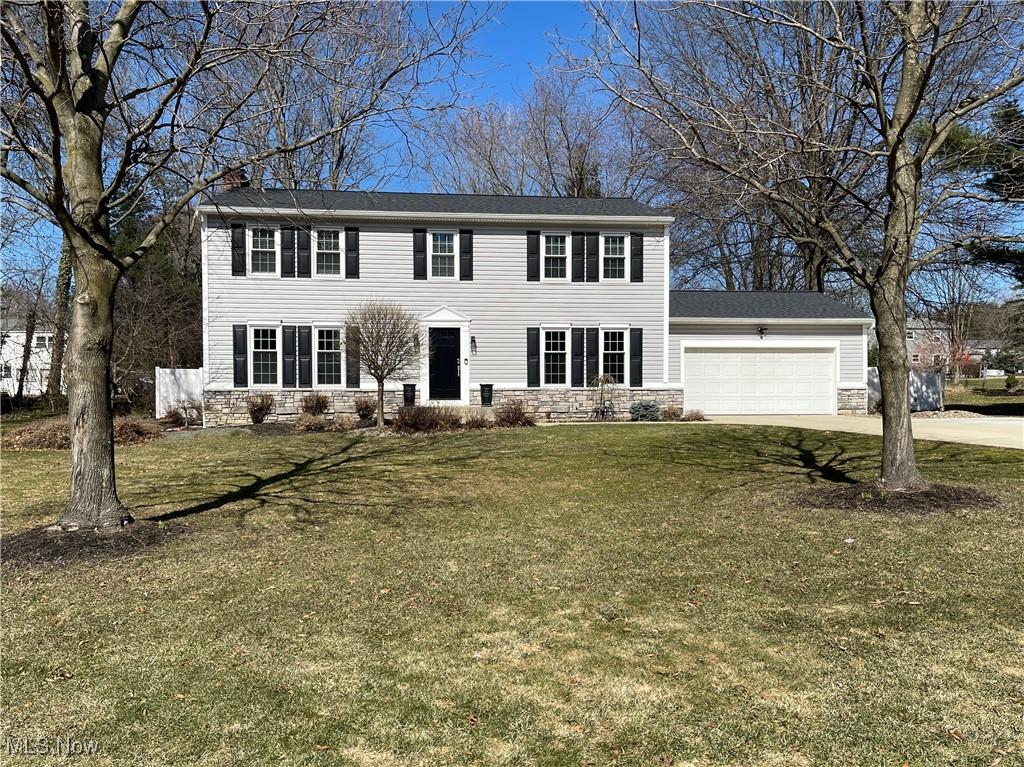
(988, 396)
(574, 595)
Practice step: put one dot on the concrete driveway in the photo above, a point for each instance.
(992, 431)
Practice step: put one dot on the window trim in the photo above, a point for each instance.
(430, 255)
(566, 330)
(314, 241)
(625, 257)
(624, 329)
(568, 255)
(276, 229)
(252, 355)
(316, 355)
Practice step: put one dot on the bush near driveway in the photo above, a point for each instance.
(55, 434)
(645, 594)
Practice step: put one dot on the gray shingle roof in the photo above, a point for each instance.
(416, 202)
(734, 304)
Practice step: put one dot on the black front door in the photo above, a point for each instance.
(445, 381)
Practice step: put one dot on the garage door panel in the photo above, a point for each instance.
(760, 382)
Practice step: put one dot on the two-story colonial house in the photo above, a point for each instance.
(518, 297)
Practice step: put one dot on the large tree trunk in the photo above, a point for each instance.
(899, 465)
(61, 300)
(94, 502)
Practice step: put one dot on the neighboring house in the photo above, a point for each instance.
(533, 296)
(927, 344)
(12, 346)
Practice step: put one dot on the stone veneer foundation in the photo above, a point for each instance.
(230, 408)
(852, 401)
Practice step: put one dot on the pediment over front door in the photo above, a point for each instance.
(444, 315)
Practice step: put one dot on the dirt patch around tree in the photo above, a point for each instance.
(43, 547)
(871, 496)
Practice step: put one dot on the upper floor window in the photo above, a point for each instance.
(555, 364)
(264, 356)
(936, 359)
(556, 256)
(43, 342)
(910, 335)
(263, 250)
(613, 257)
(442, 254)
(328, 251)
(613, 355)
(915, 358)
(328, 357)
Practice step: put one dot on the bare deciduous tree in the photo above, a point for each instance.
(848, 148)
(130, 94)
(388, 339)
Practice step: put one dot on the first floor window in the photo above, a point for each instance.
(910, 335)
(7, 371)
(328, 251)
(915, 357)
(442, 254)
(554, 357)
(264, 250)
(614, 257)
(936, 359)
(555, 256)
(613, 359)
(264, 356)
(328, 357)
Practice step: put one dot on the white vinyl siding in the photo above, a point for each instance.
(499, 300)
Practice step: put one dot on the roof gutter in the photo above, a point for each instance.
(768, 320)
(373, 215)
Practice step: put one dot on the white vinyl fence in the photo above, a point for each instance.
(925, 389)
(175, 386)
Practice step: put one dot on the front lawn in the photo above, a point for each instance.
(631, 594)
(988, 397)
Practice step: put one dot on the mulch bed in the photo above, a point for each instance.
(870, 496)
(40, 546)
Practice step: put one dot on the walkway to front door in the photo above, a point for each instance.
(444, 362)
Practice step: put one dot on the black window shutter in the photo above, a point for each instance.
(419, 254)
(593, 262)
(636, 356)
(238, 250)
(302, 251)
(352, 253)
(352, 357)
(241, 355)
(305, 333)
(533, 356)
(533, 257)
(577, 357)
(636, 257)
(288, 356)
(592, 349)
(287, 251)
(465, 254)
(579, 264)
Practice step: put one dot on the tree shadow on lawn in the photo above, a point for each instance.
(379, 479)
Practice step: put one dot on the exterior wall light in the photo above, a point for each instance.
(761, 331)
(472, 344)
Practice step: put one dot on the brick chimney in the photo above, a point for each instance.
(234, 179)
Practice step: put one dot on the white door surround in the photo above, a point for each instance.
(760, 376)
(444, 317)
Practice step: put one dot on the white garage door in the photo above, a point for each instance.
(759, 382)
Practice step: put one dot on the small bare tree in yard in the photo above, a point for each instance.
(388, 340)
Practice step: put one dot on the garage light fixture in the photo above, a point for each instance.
(472, 344)
(761, 331)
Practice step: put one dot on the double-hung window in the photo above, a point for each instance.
(264, 356)
(613, 355)
(263, 250)
(613, 257)
(910, 335)
(43, 341)
(328, 357)
(6, 371)
(328, 251)
(442, 255)
(556, 256)
(555, 363)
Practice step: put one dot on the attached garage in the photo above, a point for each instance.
(768, 353)
(760, 381)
